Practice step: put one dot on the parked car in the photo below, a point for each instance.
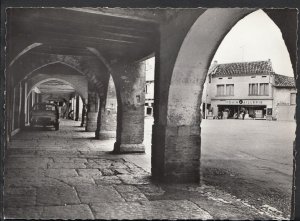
(44, 114)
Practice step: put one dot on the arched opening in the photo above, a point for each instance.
(184, 113)
(248, 104)
(62, 93)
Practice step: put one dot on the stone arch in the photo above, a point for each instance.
(78, 88)
(24, 51)
(193, 61)
(176, 130)
(71, 76)
(30, 62)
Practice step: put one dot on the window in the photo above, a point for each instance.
(264, 89)
(220, 90)
(293, 98)
(253, 89)
(146, 89)
(259, 89)
(225, 90)
(229, 89)
(264, 76)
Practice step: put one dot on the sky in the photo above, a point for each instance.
(254, 38)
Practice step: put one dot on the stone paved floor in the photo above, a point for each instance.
(67, 174)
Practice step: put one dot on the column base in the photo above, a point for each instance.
(91, 121)
(176, 154)
(128, 148)
(83, 122)
(178, 178)
(105, 135)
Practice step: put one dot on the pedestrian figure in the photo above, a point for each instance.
(235, 116)
(243, 113)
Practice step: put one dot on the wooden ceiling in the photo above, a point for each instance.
(118, 34)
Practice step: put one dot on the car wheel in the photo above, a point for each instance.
(56, 126)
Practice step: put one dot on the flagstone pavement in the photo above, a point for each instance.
(67, 174)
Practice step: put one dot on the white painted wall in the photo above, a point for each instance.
(241, 86)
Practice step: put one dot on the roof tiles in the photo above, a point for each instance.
(251, 68)
(284, 81)
(243, 68)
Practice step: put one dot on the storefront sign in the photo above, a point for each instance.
(245, 102)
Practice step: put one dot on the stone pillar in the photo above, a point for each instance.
(176, 153)
(92, 111)
(9, 107)
(107, 122)
(13, 118)
(17, 106)
(130, 121)
(176, 130)
(77, 108)
(83, 116)
(23, 105)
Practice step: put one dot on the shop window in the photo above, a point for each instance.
(229, 89)
(253, 89)
(293, 98)
(220, 89)
(264, 89)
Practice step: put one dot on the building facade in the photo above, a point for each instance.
(249, 90)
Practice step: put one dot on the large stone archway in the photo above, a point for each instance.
(176, 131)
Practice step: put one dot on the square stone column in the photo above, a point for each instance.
(107, 122)
(77, 108)
(92, 112)
(83, 116)
(130, 87)
(176, 153)
(130, 131)
(23, 105)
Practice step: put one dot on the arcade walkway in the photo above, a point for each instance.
(67, 174)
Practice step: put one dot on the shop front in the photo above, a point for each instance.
(242, 109)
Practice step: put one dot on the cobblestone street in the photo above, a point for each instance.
(67, 174)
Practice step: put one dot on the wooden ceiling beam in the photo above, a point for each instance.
(59, 15)
(26, 26)
(132, 14)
